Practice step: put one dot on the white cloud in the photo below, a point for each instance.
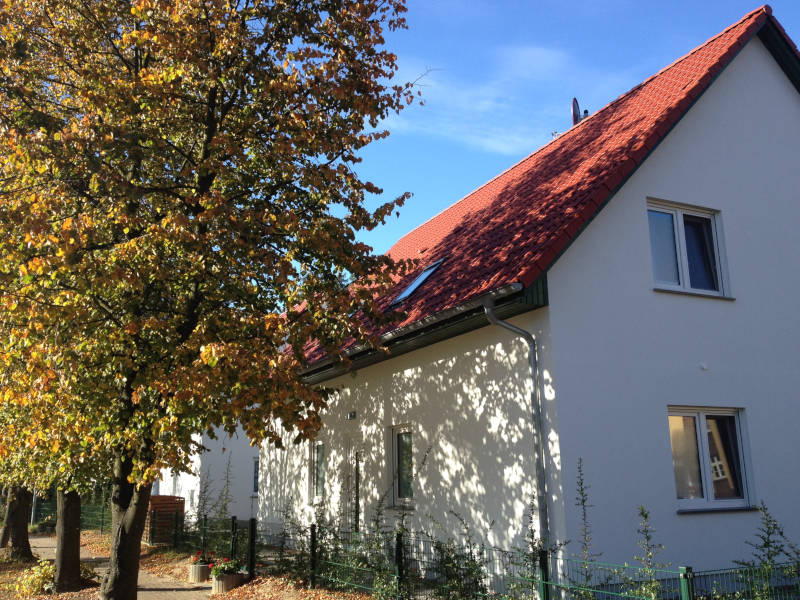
(530, 62)
(510, 106)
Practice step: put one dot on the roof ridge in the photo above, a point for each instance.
(766, 8)
(753, 13)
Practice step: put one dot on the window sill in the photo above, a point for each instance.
(693, 293)
(410, 507)
(719, 509)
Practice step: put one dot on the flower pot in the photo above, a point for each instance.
(224, 583)
(198, 573)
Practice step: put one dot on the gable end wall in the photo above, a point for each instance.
(622, 352)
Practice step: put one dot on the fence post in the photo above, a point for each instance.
(203, 528)
(544, 587)
(251, 549)
(313, 563)
(687, 583)
(399, 559)
(153, 516)
(234, 537)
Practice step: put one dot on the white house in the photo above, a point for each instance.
(224, 479)
(652, 251)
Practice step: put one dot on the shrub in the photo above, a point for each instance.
(461, 571)
(36, 580)
(771, 549)
(647, 584)
(88, 573)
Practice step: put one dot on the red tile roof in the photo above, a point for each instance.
(513, 228)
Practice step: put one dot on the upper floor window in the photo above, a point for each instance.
(686, 248)
(708, 457)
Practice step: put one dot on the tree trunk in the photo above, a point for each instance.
(15, 529)
(5, 533)
(68, 544)
(129, 506)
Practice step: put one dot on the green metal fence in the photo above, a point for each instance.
(215, 537)
(774, 582)
(93, 516)
(408, 566)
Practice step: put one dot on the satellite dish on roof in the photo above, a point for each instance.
(576, 112)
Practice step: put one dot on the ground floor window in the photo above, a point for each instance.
(255, 475)
(402, 463)
(708, 457)
(316, 469)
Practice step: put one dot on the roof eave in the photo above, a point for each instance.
(412, 336)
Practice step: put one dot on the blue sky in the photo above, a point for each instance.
(500, 78)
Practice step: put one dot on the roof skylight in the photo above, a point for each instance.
(427, 272)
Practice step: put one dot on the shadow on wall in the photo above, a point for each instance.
(466, 402)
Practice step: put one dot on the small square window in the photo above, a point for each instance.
(686, 248)
(708, 457)
(316, 469)
(402, 465)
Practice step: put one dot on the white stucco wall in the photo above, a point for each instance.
(614, 354)
(212, 465)
(467, 401)
(625, 352)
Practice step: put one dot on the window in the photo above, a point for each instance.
(686, 248)
(708, 457)
(427, 272)
(402, 465)
(316, 472)
(255, 475)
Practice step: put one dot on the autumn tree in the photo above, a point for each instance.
(38, 453)
(179, 214)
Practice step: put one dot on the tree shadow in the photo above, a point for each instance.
(466, 402)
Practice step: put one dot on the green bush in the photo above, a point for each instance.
(461, 568)
(88, 572)
(36, 580)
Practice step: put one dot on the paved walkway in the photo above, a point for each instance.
(151, 587)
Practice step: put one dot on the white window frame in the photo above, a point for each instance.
(313, 498)
(677, 211)
(708, 502)
(397, 501)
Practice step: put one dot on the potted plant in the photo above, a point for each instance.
(199, 567)
(225, 575)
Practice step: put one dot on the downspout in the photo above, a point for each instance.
(536, 410)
